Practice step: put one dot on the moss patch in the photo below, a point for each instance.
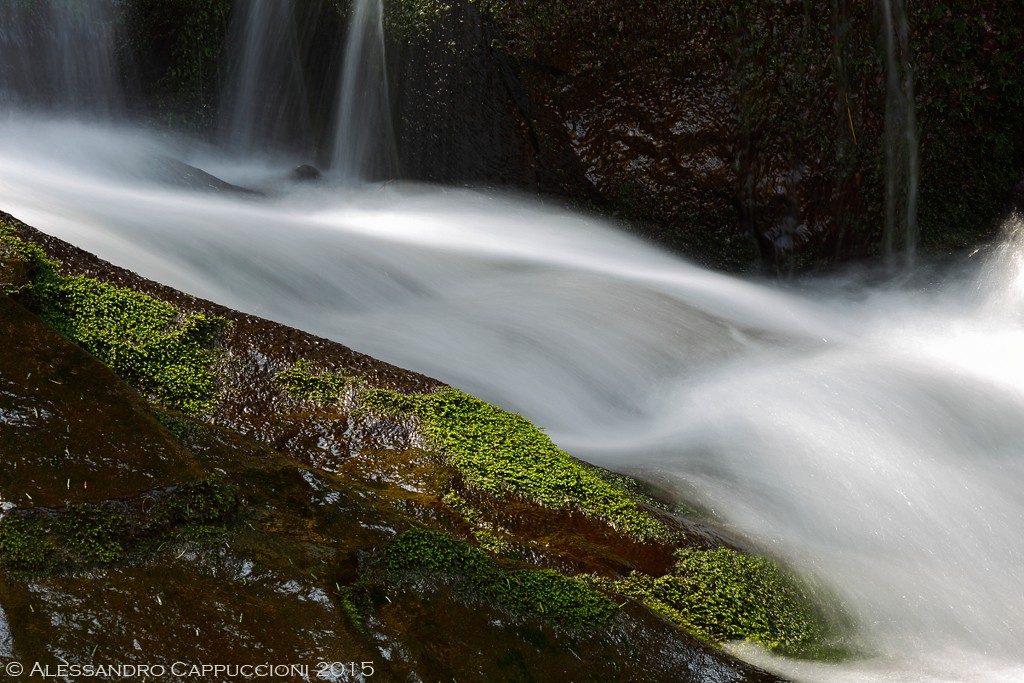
(722, 595)
(502, 453)
(562, 600)
(105, 534)
(154, 346)
(82, 535)
(322, 388)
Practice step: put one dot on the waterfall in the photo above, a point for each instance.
(363, 146)
(60, 55)
(265, 101)
(901, 143)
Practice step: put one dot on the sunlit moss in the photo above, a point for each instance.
(502, 453)
(721, 595)
(323, 388)
(154, 346)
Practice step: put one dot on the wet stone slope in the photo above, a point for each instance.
(307, 504)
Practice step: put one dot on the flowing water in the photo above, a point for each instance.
(363, 141)
(60, 54)
(870, 435)
(265, 103)
(901, 143)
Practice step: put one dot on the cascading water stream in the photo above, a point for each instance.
(265, 103)
(60, 55)
(870, 437)
(363, 145)
(901, 142)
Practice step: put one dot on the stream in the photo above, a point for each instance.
(868, 432)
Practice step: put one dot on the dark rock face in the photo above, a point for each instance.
(1017, 198)
(737, 133)
(458, 105)
(278, 557)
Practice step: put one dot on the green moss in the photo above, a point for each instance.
(209, 503)
(722, 595)
(109, 533)
(502, 453)
(154, 346)
(349, 606)
(18, 260)
(324, 388)
(543, 593)
(80, 535)
(24, 543)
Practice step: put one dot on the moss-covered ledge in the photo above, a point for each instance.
(163, 352)
(722, 595)
(563, 601)
(504, 454)
(497, 453)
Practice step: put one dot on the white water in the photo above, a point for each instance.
(265, 99)
(363, 141)
(872, 437)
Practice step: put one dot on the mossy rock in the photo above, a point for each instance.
(504, 454)
(165, 353)
(722, 595)
(540, 593)
(109, 533)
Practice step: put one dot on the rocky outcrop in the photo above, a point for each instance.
(313, 505)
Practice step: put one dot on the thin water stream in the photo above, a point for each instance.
(869, 435)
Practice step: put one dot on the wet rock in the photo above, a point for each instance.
(70, 431)
(304, 173)
(321, 489)
(177, 173)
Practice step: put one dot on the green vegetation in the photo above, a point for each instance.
(105, 534)
(324, 388)
(547, 594)
(155, 347)
(81, 535)
(349, 606)
(722, 595)
(502, 453)
(199, 508)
